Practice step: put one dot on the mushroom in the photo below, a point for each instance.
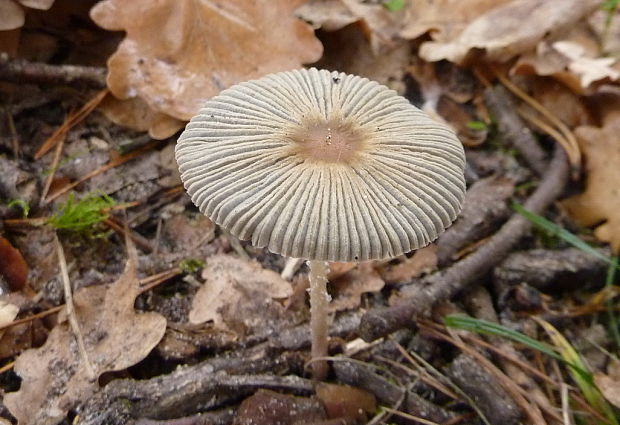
(323, 166)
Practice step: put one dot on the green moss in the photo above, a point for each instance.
(82, 216)
(25, 206)
(191, 265)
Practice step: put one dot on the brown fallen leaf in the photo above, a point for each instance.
(599, 204)
(348, 288)
(344, 401)
(509, 29)
(575, 58)
(238, 295)
(54, 378)
(12, 15)
(423, 260)
(135, 114)
(609, 383)
(13, 267)
(444, 19)
(177, 54)
(270, 408)
(329, 15)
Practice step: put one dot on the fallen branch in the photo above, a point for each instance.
(443, 285)
(23, 71)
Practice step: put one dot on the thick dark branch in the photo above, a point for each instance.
(440, 286)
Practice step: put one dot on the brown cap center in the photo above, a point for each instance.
(332, 141)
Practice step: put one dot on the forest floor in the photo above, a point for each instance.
(120, 303)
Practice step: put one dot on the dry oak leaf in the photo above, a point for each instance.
(238, 294)
(599, 205)
(179, 53)
(444, 19)
(54, 376)
(347, 289)
(509, 30)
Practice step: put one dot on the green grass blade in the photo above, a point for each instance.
(560, 232)
(489, 328)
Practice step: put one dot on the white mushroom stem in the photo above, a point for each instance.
(319, 321)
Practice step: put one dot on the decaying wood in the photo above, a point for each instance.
(552, 270)
(23, 71)
(440, 286)
(484, 209)
(513, 130)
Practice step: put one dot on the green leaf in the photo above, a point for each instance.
(477, 125)
(394, 5)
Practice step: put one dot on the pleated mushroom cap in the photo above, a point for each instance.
(322, 166)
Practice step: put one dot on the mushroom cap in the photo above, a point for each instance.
(322, 165)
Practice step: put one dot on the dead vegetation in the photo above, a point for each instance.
(121, 304)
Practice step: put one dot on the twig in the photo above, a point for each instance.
(53, 167)
(513, 129)
(72, 120)
(20, 71)
(138, 239)
(40, 315)
(440, 286)
(115, 162)
(70, 309)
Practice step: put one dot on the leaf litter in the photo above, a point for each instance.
(156, 88)
(55, 378)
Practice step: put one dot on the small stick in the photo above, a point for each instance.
(21, 70)
(111, 164)
(33, 317)
(70, 309)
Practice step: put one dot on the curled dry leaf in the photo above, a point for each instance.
(329, 15)
(54, 377)
(238, 295)
(599, 205)
(509, 29)
(576, 59)
(178, 54)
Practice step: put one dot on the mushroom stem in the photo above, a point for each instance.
(319, 300)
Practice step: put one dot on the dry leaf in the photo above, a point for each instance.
(13, 267)
(179, 53)
(588, 69)
(344, 401)
(238, 294)
(12, 16)
(37, 4)
(329, 15)
(509, 29)
(423, 261)
(382, 25)
(54, 376)
(270, 408)
(135, 114)
(445, 19)
(348, 288)
(610, 384)
(599, 205)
